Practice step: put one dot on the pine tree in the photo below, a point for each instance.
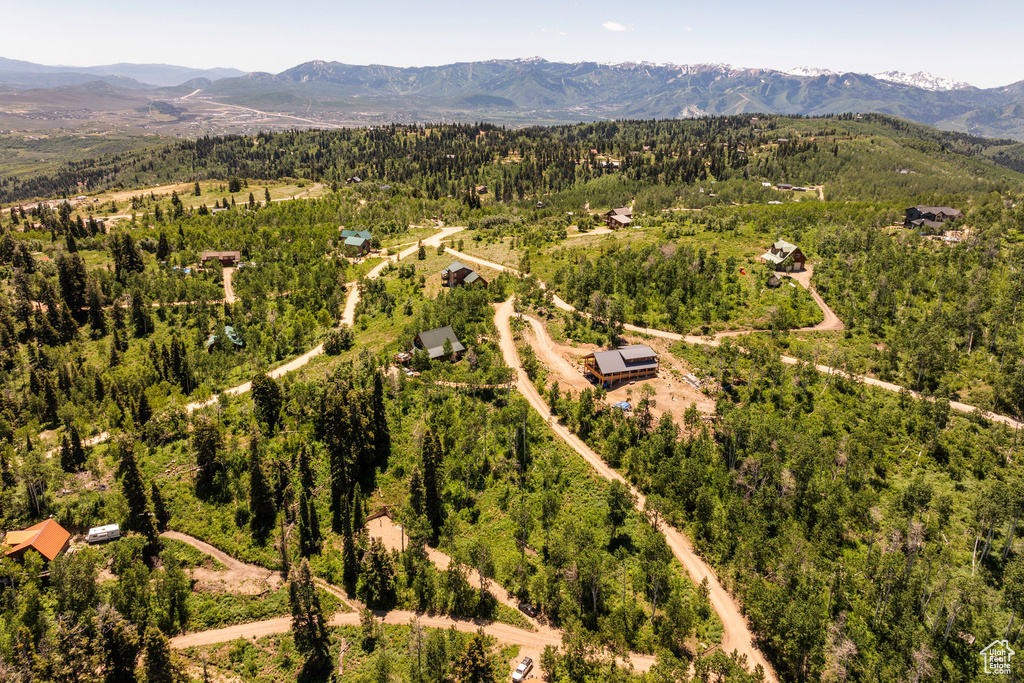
(143, 412)
(377, 577)
(163, 247)
(267, 400)
(140, 518)
(160, 511)
(358, 516)
(66, 458)
(120, 645)
(475, 665)
(381, 430)
(433, 460)
(309, 625)
(196, 191)
(261, 503)
(206, 444)
(72, 279)
(78, 455)
(97, 319)
(49, 415)
(350, 573)
(141, 320)
(266, 195)
(314, 537)
(306, 547)
(160, 664)
(115, 357)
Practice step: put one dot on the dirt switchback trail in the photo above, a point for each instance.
(736, 634)
(245, 576)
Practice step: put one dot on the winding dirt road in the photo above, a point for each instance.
(531, 642)
(736, 634)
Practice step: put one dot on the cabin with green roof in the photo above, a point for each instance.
(357, 240)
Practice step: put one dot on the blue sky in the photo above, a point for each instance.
(977, 42)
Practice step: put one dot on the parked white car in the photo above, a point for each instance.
(524, 668)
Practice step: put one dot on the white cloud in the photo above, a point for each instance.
(554, 30)
(614, 26)
(689, 28)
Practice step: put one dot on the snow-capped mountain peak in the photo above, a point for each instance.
(810, 72)
(921, 79)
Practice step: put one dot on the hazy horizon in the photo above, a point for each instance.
(941, 39)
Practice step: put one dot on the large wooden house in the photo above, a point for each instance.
(458, 274)
(622, 364)
(784, 256)
(619, 218)
(225, 258)
(930, 216)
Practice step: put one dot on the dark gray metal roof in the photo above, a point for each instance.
(454, 267)
(433, 341)
(635, 352)
(633, 357)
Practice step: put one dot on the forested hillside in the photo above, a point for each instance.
(648, 156)
(279, 452)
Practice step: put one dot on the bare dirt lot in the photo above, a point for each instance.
(672, 394)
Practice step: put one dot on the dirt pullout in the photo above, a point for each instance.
(238, 577)
(736, 634)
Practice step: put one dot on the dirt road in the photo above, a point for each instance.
(480, 262)
(229, 292)
(831, 322)
(532, 643)
(736, 635)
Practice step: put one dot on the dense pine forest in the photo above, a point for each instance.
(273, 456)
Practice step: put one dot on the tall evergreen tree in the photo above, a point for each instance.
(309, 624)
(143, 412)
(163, 247)
(160, 663)
(267, 400)
(206, 445)
(261, 502)
(72, 279)
(120, 645)
(475, 665)
(160, 511)
(433, 459)
(140, 517)
(97, 319)
(381, 431)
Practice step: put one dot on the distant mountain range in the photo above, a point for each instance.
(29, 74)
(528, 91)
